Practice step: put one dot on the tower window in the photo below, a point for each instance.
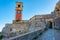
(18, 5)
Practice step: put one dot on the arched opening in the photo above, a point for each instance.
(50, 24)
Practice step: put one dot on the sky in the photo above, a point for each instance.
(30, 8)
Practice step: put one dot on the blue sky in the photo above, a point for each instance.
(31, 8)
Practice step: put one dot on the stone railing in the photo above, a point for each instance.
(28, 36)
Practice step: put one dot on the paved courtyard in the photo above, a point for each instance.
(57, 34)
(50, 34)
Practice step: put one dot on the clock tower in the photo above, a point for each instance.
(18, 11)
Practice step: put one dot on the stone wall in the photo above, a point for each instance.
(14, 29)
(28, 36)
(57, 23)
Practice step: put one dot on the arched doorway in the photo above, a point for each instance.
(50, 24)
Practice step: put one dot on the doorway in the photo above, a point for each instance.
(50, 24)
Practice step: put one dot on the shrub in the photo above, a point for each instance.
(1, 36)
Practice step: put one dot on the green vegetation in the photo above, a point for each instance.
(17, 20)
(57, 9)
(1, 36)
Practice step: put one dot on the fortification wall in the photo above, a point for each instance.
(28, 36)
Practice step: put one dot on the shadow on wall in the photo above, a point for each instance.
(49, 24)
(57, 23)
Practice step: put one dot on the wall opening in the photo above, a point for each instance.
(50, 24)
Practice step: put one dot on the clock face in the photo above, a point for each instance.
(18, 11)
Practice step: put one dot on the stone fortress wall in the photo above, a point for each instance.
(29, 35)
(34, 23)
